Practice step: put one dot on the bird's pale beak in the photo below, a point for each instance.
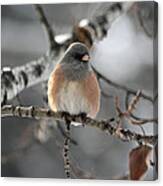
(86, 58)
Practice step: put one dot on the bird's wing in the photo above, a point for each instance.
(55, 83)
(92, 92)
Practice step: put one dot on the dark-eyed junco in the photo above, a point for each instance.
(72, 85)
(73, 88)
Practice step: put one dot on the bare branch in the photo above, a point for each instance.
(142, 121)
(128, 114)
(122, 87)
(103, 125)
(135, 119)
(133, 103)
(50, 33)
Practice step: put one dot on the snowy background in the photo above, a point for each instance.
(124, 56)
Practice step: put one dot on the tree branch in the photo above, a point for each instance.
(128, 113)
(50, 33)
(13, 81)
(135, 119)
(122, 87)
(103, 125)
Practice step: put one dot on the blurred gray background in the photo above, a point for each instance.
(124, 56)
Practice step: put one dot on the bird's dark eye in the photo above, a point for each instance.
(78, 56)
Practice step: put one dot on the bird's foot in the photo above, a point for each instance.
(111, 120)
(66, 117)
(83, 116)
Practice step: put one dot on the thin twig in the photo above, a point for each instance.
(128, 114)
(133, 103)
(122, 87)
(135, 119)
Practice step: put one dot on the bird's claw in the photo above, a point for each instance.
(83, 116)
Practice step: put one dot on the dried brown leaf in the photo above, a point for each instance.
(139, 162)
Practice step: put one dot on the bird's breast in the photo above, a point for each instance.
(71, 98)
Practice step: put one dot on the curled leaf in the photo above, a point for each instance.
(139, 162)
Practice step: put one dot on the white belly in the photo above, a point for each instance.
(71, 99)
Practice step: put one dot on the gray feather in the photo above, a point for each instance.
(74, 69)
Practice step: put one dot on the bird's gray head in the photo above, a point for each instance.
(75, 62)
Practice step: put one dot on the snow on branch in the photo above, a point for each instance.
(103, 125)
(17, 79)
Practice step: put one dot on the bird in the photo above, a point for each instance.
(73, 89)
(72, 85)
